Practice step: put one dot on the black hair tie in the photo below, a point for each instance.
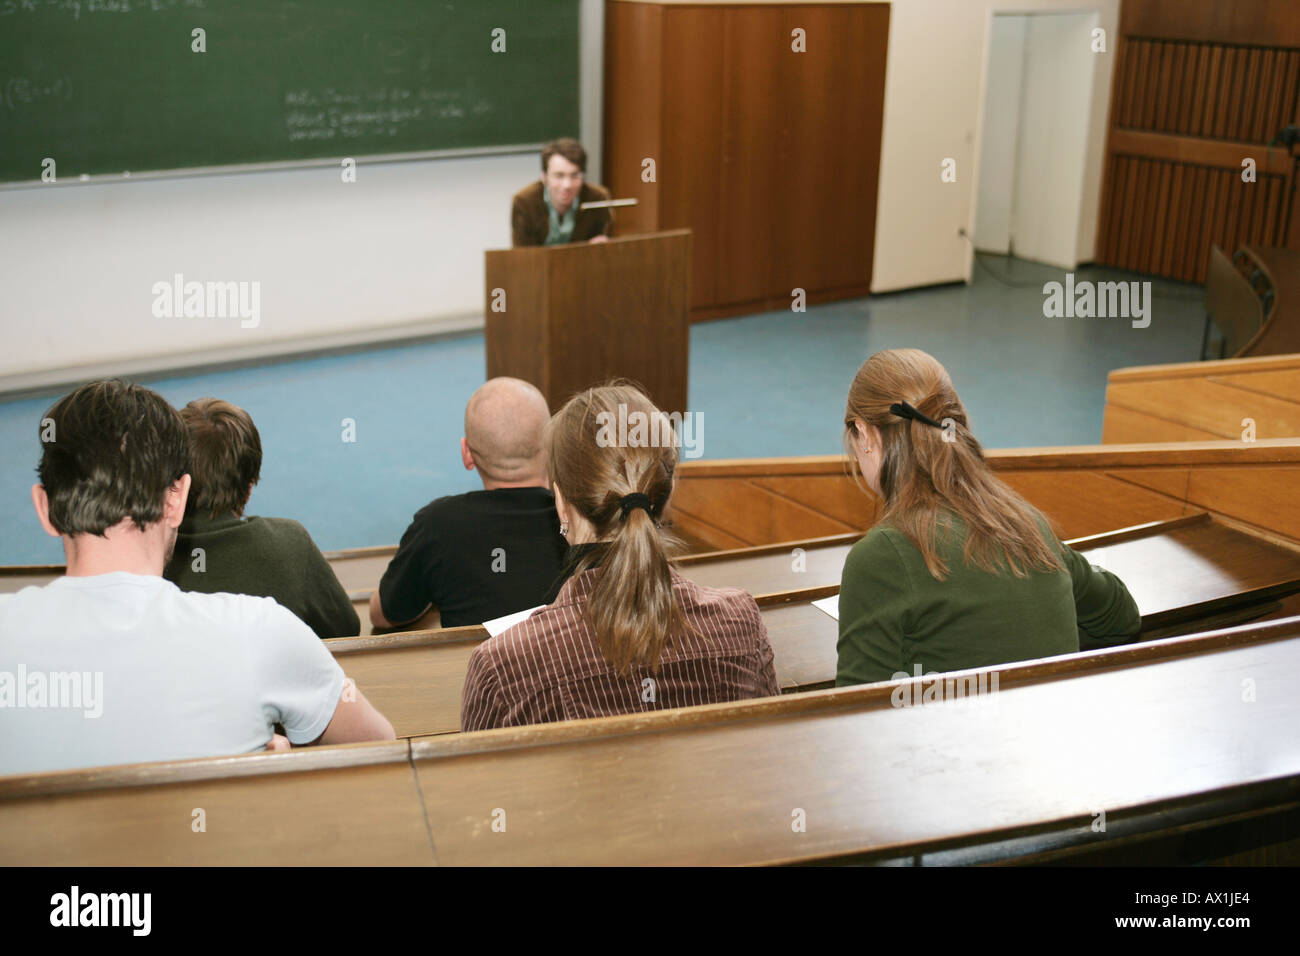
(904, 410)
(636, 500)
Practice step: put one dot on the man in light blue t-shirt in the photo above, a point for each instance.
(113, 664)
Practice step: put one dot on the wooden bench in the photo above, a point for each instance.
(790, 565)
(415, 678)
(1194, 401)
(1185, 574)
(327, 806)
(793, 565)
(1167, 739)
(1280, 269)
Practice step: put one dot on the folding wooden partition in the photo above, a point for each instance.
(1200, 86)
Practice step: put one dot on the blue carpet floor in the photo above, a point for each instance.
(765, 385)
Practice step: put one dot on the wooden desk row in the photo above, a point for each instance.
(1161, 739)
(765, 569)
(1185, 574)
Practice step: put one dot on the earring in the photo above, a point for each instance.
(564, 529)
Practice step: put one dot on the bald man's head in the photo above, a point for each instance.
(503, 429)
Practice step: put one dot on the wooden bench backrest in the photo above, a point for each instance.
(1057, 743)
(1085, 490)
(1189, 401)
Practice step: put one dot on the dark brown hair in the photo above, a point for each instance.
(225, 456)
(109, 451)
(926, 471)
(570, 149)
(594, 463)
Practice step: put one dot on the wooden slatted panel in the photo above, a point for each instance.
(1212, 90)
(1162, 216)
(1160, 213)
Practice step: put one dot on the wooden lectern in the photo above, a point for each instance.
(569, 317)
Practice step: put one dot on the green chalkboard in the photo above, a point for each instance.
(107, 86)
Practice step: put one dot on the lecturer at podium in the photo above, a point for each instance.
(549, 212)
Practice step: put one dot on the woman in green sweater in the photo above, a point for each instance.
(960, 571)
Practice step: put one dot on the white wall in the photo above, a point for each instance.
(1053, 143)
(402, 243)
(406, 243)
(997, 164)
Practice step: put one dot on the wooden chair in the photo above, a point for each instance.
(1232, 305)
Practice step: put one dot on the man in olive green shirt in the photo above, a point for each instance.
(220, 550)
(264, 557)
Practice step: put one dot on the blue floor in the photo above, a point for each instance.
(766, 385)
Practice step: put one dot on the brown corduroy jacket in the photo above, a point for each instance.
(530, 223)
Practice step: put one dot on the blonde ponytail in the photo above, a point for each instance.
(622, 489)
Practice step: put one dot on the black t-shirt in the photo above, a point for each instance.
(476, 557)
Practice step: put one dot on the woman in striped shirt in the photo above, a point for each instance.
(626, 633)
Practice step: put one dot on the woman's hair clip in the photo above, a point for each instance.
(904, 410)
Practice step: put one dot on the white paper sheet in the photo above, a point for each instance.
(830, 605)
(499, 624)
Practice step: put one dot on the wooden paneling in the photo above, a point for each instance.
(752, 181)
(1084, 490)
(633, 68)
(1250, 22)
(1143, 234)
(1268, 500)
(1123, 425)
(1198, 88)
(770, 156)
(687, 191)
(1186, 401)
(1249, 101)
(755, 514)
(1084, 502)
